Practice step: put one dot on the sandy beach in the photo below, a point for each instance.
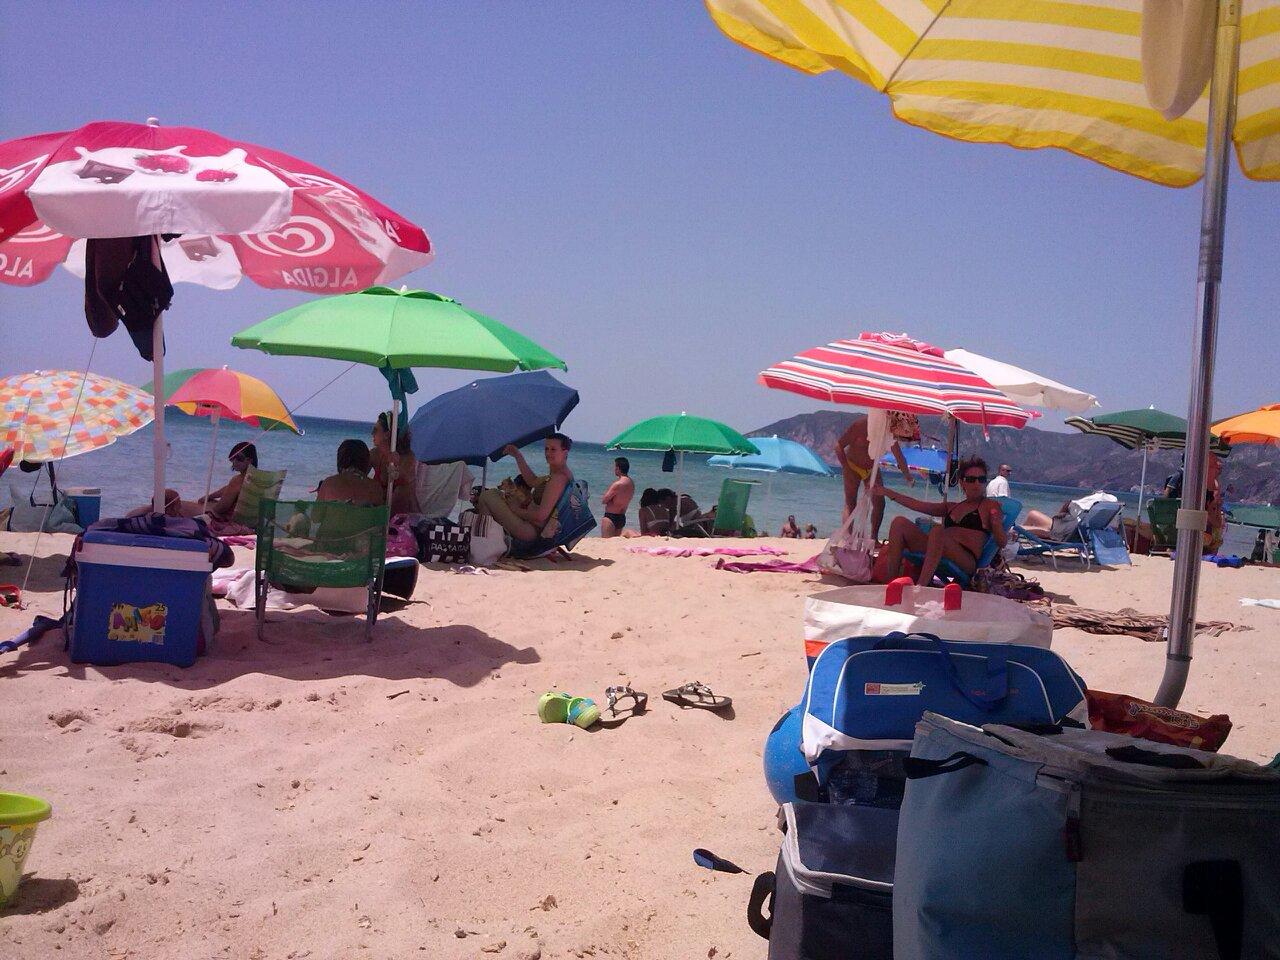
(316, 796)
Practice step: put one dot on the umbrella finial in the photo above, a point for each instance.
(153, 121)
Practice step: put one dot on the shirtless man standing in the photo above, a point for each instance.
(855, 465)
(617, 498)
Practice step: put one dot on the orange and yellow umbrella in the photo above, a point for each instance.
(218, 393)
(227, 394)
(1261, 426)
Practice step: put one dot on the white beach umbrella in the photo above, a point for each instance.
(1027, 388)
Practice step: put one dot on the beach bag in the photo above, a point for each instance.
(867, 693)
(488, 541)
(1083, 844)
(29, 515)
(848, 555)
(443, 541)
(874, 611)
(401, 539)
(831, 896)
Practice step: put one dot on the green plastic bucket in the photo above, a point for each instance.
(19, 817)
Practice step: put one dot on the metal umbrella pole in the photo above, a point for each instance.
(1192, 518)
(1142, 489)
(216, 417)
(159, 449)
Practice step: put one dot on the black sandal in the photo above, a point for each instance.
(697, 694)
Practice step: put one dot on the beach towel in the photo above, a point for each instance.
(708, 551)
(1146, 627)
(769, 566)
(440, 486)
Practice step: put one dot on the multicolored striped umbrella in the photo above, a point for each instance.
(230, 394)
(218, 393)
(894, 372)
(51, 414)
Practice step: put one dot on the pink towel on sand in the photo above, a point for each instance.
(770, 566)
(709, 551)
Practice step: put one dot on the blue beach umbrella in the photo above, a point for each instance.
(474, 423)
(777, 455)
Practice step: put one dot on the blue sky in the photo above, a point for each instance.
(667, 211)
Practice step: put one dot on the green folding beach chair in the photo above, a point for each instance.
(308, 544)
(258, 485)
(1163, 514)
(731, 512)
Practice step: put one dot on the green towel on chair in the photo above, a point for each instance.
(258, 485)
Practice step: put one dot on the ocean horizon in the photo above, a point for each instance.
(123, 472)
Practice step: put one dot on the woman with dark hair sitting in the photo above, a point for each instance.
(352, 483)
(400, 467)
(960, 537)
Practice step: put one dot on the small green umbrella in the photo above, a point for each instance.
(1150, 429)
(396, 330)
(682, 434)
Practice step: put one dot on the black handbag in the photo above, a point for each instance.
(442, 541)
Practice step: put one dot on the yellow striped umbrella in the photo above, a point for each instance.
(1039, 73)
(1122, 82)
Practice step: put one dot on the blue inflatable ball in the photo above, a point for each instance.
(783, 760)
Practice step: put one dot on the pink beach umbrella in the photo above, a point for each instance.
(218, 210)
(888, 371)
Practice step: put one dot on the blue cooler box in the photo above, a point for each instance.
(138, 598)
(88, 501)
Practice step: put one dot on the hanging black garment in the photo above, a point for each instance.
(123, 284)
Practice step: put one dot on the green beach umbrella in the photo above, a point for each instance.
(682, 434)
(395, 331)
(1149, 428)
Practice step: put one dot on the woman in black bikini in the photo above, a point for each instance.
(961, 535)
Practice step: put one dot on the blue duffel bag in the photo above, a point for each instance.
(868, 693)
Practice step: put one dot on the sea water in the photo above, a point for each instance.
(123, 472)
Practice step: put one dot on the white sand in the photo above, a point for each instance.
(273, 802)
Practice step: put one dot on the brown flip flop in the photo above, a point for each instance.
(697, 694)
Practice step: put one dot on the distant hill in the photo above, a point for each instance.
(1251, 473)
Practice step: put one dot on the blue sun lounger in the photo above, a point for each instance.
(1093, 539)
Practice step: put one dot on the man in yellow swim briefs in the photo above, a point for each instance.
(855, 461)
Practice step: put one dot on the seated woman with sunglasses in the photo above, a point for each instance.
(221, 503)
(961, 535)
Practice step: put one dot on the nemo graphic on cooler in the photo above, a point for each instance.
(130, 624)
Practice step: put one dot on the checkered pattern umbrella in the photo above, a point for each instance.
(51, 414)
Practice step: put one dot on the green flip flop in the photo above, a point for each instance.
(556, 707)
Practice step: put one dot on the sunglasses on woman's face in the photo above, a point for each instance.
(975, 478)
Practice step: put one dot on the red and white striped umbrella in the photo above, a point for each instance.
(894, 372)
(239, 210)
